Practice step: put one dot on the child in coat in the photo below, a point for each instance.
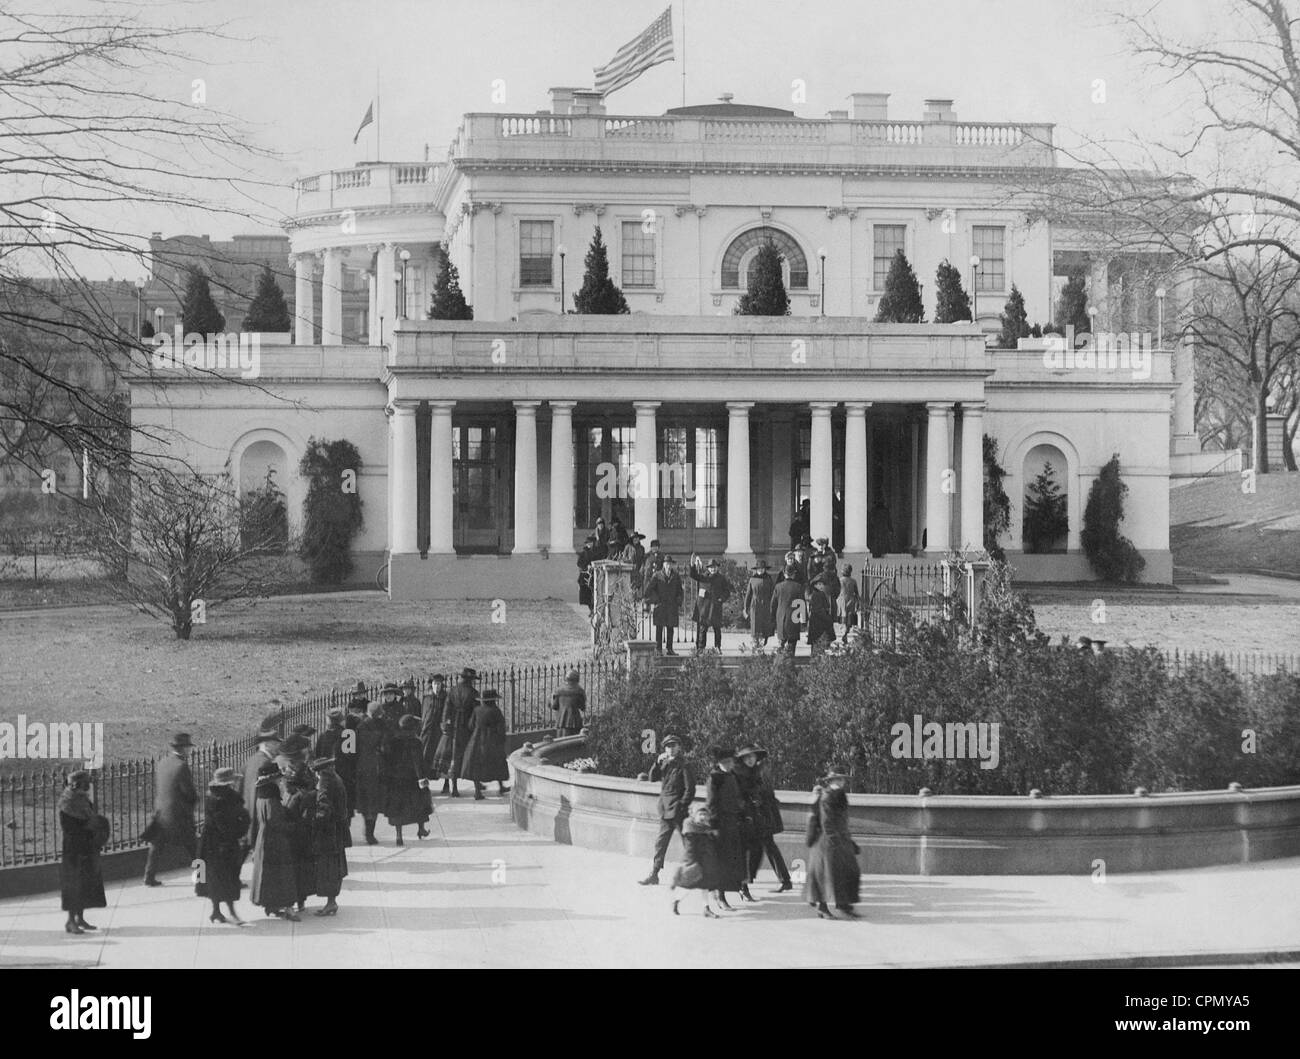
(698, 870)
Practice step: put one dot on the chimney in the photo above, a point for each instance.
(837, 115)
(562, 100)
(588, 101)
(869, 106)
(939, 110)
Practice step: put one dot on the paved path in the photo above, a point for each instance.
(481, 893)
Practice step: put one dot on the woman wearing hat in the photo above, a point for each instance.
(762, 816)
(371, 736)
(410, 704)
(331, 834)
(300, 811)
(833, 872)
(461, 702)
(724, 811)
(432, 707)
(569, 703)
(485, 752)
(821, 630)
(757, 604)
(225, 822)
(405, 799)
(84, 831)
(275, 885)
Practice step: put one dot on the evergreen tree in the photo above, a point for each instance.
(332, 510)
(901, 302)
(953, 303)
(997, 505)
(268, 311)
(1046, 518)
(1072, 306)
(766, 295)
(448, 299)
(1113, 557)
(1015, 321)
(199, 313)
(599, 294)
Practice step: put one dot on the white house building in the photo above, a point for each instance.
(487, 446)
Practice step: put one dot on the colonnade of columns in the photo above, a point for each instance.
(326, 268)
(947, 475)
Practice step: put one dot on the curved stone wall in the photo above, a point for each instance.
(939, 834)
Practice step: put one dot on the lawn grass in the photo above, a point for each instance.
(1215, 527)
(109, 664)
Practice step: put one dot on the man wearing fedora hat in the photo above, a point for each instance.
(664, 594)
(789, 610)
(172, 823)
(712, 591)
(461, 701)
(756, 607)
(676, 790)
(269, 736)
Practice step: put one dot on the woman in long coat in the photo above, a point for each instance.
(757, 604)
(699, 867)
(371, 735)
(225, 823)
(275, 886)
(485, 753)
(331, 834)
(821, 630)
(461, 701)
(762, 816)
(833, 875)
(80, 878)
(432, 708)
(724, 811)
(569, 703)
(405, 801)
(300, 810)
(789, 609)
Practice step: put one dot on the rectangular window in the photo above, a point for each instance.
(691, 477)
(638, 255)
(888, 240)
(604, 455)
(989, 245)
(536, 253)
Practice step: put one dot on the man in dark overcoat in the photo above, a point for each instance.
(676, 790)
(664, 594)
(269, 737)
(461, 701)
(757, 604)
(712, 591)
(789, 609)
(172, 823)
(431, 711)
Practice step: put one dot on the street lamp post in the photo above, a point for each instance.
(1160, 318)
(405, 255)
(562, 250)
(821, 253)
(974, 288)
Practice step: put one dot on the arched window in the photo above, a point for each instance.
(736, 261)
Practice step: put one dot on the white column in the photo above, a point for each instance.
(331, 298)
(645, 509)
(917, 492)
(972, 475)
(822, 485)
(562, 470)
(738, 483)
(401, 481)
(526, 477)
(855, 476)
(938, 528)
(304, 265)
(385, 292)
(372, 311)
(441, 493)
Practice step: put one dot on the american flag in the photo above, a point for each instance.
(651, 46)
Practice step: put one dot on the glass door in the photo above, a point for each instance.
(476, 486)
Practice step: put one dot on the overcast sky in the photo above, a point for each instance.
(305, 70)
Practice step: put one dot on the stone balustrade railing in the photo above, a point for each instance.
(388, 183)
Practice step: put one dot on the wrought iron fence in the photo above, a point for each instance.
(919, 587)
(124, 790)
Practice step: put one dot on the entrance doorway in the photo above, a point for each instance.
(480, 457)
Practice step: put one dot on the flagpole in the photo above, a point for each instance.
(683, 52)
(379, 143)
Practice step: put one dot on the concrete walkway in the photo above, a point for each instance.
(481, 893)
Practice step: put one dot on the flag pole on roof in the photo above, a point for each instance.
(653, 45)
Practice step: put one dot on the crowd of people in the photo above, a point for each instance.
(725, 839)
(292, 807)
